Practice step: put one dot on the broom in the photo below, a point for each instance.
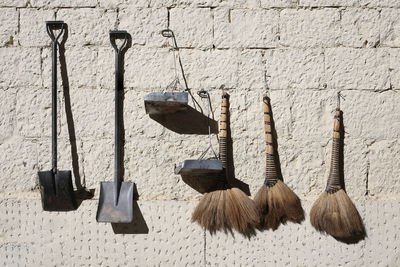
(334, 212)
(275, 201)
(229, 207)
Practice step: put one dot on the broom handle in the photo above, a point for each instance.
(334, 173)
(223, 130)
(270, 169)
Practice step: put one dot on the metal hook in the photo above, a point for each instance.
(205, 95)
(339, 95)
(266, 87)
(168, 33)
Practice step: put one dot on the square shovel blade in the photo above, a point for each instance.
(107, 211)
(57, 191)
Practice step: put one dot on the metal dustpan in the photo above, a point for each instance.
(116, 198)
(165, 102)
(175, 97)
(202, 168)
(192, 167)
(56, 190)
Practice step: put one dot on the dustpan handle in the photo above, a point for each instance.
(271, 175)
(223, 129)
(334, 173)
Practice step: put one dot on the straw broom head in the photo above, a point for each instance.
(275, 201)
(241, 212)
(230, 208)
(333, 212)
(210, 213)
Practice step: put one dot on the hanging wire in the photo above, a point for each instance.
(267, 90)
(339, 95)
(205, 247)
(176, 82)
(205, 95)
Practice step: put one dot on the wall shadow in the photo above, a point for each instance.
(138, 225)
(120, 123)
(275, 141)
(189, 121)
(341, 152)
(230, 171)
(205, 183)
(355, 238)
(81, 193)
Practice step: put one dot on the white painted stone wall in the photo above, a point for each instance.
(311, 49)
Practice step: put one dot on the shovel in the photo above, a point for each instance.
(56, 188)
(116, 198)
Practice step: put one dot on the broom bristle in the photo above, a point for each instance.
(210, 212)
(335, 214)
(242, 214)
(201, 207)
(247, 207)
(278, 204)
(220, 220)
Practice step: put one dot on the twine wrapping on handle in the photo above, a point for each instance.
(223, 130)
(333, 184)
(271, 173)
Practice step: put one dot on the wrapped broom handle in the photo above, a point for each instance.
(333, 184)
(271, 176)
(223, 130)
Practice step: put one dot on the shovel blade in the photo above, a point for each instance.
(107, 211)
(56, 191)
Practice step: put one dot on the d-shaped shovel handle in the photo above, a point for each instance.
(51, 26)
(114, 35)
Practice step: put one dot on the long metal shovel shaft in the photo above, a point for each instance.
(54, 107)
(56, 188)
(117, 159)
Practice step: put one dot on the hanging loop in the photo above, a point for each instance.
(203, 94)
(339, 95)
(168, 33)
(267, 90)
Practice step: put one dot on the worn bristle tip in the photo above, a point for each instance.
(335, 214)
(278, 204)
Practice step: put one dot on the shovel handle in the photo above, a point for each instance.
(118, 87)
(114, 35)
(51, 26)
(223, 129)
